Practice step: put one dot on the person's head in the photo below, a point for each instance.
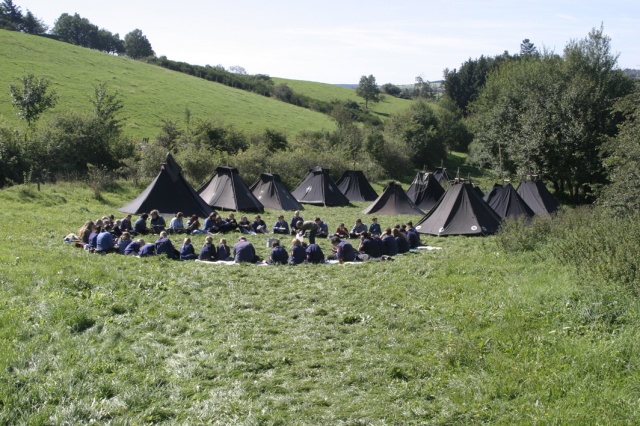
(374, 220)
(335, 240)
(342, 225)
(186, 241)
(154, 213)
(218, 219)
(244, 219)
(213, 215)
(318, 220)
(409, 224)
(99, 222)
(111, 217)
(106, 228)
(179, 215)
(364, 235)
(98, 229)
(223, 241)
(209, 239)
(144, 216)
(141, 241)
(118, 222)
(275, 243)
(257, 217)
(395, 232)
(358, 221)
(193, 218)
(299, 224)
(231, 216)
(296, 213)
(128, 217)
(281, 218)
(163, 234)
(295, 242)
(243, 238)
(126, 236)
(387, 231)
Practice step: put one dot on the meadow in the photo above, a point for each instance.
(482, 331)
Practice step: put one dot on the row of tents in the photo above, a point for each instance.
(460, 209)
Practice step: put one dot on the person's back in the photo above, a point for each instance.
(104, 241)
(279, 255)
(390, 245)
(346, 252)
(314, 254)
(403, 244)
(208, 252)
(368, 246)
(123, 242)
(146, 250)
(133, 249)
(140, 227)
(298, 254)
(224, 251)
(414, 238)
(93, 238)
(177, 224)
(165, 246)
(187, 252)
(243, 251)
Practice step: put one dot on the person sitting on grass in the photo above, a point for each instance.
(232, 223)
(244, 252)
(245, 226)
(165, 246)
(193, 225)
(259, 226)
(148, 249)
(357, 229)
(219, 226)
(125, 224)
(224, 251)
(294, 222)
(314, 254)
(176, 226)
(104, 242)
(298, 254)
(413, 237)
(85, 232)
(342, 231)
(281, 226)
(123, 242)
(401, 240)
(157, 223)
(140, 227)
(389, 242)
(93, 238)
(374, 228)
(133, 249)
(323, 228)
(187, 252)
(208, 252)
(278, 254)
(342, 250)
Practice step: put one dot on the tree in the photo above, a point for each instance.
(32, 25)
(75, 30)
(137, 46)
(391, 89)
(31, 97)
(422, 89)
(528, 48)
(106, 107)
(552, 114)
(10, 16)
(368, 90)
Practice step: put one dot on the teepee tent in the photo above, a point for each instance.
(442, 176)
(227, 191)
(460, 211)
(393, 201)
(507, 203)
(355, 186)
(272, 193)
(318, 188)
(537, 197)
(169, 193)
(425, 191)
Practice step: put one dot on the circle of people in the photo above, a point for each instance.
(107, 235)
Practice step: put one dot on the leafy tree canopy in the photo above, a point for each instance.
(137, 45)
(368, 90)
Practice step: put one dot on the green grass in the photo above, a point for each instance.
(150, 93)
(470, 334)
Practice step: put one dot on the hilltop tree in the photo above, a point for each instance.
(368, 90)
(31, 97)
(10, 15)
(32, 25)
(75, 30)
(137, 46)
(528, 48)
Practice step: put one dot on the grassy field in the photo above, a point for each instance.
(150, 93)
(470, 334)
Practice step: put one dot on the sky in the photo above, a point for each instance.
(337, 42)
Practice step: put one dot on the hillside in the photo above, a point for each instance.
(329, 92)
(150, 93)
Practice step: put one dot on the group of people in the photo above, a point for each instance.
(107, 235)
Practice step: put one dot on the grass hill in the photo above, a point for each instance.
(150, 93)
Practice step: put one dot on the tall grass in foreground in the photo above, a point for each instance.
(476, 333)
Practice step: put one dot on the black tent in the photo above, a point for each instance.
(537, 197)
(355, 186)
(169, 193)
(272, 193)
(507, 203)
(442, 176)
(227, 191)
(492, 193)
(393, 201)
(318, 188)
(425, 191)
(460, 211)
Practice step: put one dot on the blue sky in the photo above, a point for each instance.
(338, 41)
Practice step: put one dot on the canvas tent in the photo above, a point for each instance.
(537, 197)
(227, 191)
(442, 176)
(507, 203)
(355, 186)
(393, 201)
(318, 188)
(460, 211)
(169, 193)
(272, 193)
(425, 191)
